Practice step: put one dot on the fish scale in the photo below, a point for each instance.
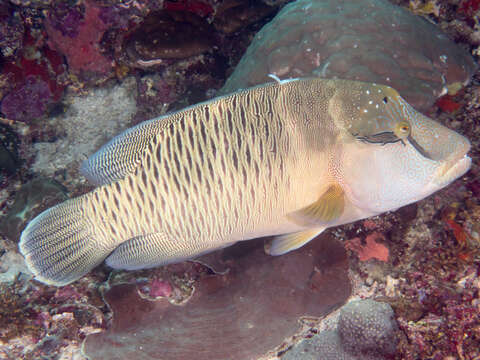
(288, 159)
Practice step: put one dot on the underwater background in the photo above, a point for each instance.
(73, 74)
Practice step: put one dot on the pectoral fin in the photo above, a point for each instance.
(284, 243)
(327, 208)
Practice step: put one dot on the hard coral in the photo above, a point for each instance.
(366, 330)
(369, 327)
(240, 314)
(368, 40)
(79, 38)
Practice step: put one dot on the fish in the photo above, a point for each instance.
(286, 159)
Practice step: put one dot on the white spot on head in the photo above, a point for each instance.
(387, 78)
(355, 46)
(365, 110)
(443, 58)
(368, 92)
(370, 102)
(376, 106)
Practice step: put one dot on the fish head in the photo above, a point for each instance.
(390, 154)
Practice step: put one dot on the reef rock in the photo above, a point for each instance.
(367, 40)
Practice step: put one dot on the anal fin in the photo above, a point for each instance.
(326, 209)
(148, 251)
(285, 243)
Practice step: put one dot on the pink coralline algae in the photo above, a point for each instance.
(371, 249)
(34, 85)
(79, 39)
(27, 102)
(240, 314)
(366, 40)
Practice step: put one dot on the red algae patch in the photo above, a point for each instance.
(371, 249)
(240, 314)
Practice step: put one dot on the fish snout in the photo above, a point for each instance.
(456, 164)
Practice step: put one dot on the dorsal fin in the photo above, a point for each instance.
(121, 155)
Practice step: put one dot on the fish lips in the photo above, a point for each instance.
(453, 167)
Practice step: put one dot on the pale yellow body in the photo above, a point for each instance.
(287, 157)
(228, 203)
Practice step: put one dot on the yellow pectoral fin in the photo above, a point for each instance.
(327, 208)
(288, 242)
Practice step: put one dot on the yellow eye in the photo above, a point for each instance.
(402, 129)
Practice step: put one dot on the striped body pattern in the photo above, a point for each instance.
(270, 160)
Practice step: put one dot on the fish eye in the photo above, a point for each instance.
(402, 129)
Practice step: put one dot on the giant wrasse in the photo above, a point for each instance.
(288, 158)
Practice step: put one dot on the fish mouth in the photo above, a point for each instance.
(452, 169)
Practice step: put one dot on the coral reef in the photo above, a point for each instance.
(52, 53)
(231, 315)
(354, 40)
(366, 330)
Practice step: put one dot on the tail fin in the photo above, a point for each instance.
(58, 245)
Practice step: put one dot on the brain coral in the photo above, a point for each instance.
(368, 326)
(366, 330)
(368, 40)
